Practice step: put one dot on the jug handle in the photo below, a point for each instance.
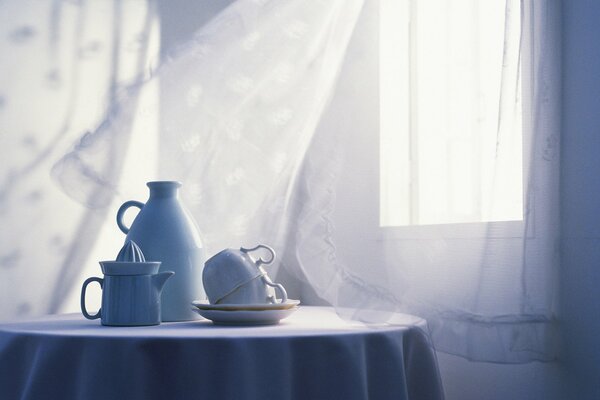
(121, 212)
(83, 289)
(260, 260)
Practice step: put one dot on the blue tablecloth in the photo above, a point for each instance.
(311, 355)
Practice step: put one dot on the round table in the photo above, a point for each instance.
(311, 355)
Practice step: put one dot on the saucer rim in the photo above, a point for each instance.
(205, 305)
(245, 317)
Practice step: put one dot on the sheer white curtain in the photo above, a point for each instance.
(239, 108)
(61, 63)
(487, 289)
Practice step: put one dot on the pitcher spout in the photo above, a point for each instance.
(160, 279)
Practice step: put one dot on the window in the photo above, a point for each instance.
(442, 68)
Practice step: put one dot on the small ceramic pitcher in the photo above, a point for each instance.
(131, 290)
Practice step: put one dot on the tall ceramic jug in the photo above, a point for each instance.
(166, 232)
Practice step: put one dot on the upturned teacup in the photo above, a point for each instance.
(233, 277)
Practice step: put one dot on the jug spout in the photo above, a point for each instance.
(159, 279)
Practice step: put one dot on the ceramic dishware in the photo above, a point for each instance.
(131, 289)
(166, 232)
(234, 277)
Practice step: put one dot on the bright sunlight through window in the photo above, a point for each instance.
(440, 84)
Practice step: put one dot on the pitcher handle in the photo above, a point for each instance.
(279, 286)
(121, 212)
(83, 289)
(260, 261)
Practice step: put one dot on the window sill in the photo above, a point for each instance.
(473, 230)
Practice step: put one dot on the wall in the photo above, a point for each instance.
(580, 195)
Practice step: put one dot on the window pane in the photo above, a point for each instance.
(442, 64)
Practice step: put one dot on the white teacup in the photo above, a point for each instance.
(233, 277)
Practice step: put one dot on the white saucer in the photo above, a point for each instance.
(240, 317)
(205, 305)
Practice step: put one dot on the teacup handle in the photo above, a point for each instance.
(279, 286)
(260, 261)
(121, 212)
(83, 289)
